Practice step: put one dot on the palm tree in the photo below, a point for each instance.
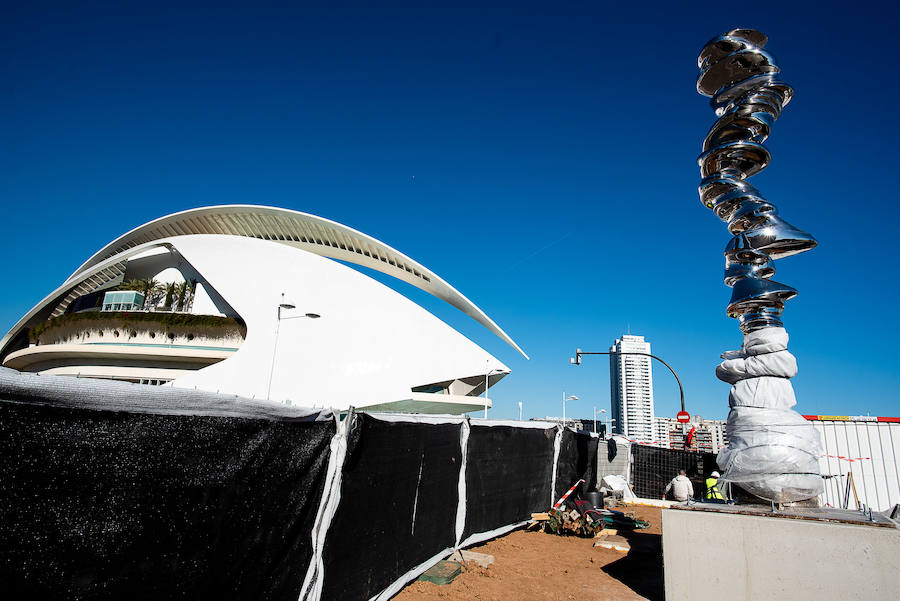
(189, 295)
(138, 285)
(181, 291)
(131, 285)
(170, 296)
(153, 292)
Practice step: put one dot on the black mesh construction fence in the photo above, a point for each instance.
(577, 461)
(654, 467)
(117, 491)
(508, 475)
(399, 494)
(121, 505)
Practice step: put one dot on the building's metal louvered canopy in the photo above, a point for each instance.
(302, 230)
(104, 278)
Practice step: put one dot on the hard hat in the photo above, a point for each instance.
(714, 475)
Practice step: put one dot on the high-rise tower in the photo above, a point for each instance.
(631, 388)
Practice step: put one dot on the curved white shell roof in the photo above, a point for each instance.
(311, 233)
(301, 230)
(370, 345)
(319, 333)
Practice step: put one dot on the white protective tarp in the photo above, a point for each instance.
(772, 451)
(618, 484)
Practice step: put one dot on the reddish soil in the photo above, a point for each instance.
(536, 566)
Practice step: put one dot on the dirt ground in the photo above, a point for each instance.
(536, 566)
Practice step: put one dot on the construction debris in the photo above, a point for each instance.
(443, 572)
(591, 523)
(614, 542)
(465, 557)
(574, 515)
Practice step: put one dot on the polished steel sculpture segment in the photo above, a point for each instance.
(747, 96)
(772, 451)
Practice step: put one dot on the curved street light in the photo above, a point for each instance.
(571, 398)
(486, 376)
(608, 423)
(282, 305)
(576, 360)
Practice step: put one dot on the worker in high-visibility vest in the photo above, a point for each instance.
(712, 488)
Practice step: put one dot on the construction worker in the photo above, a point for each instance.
(681, 487)
(712, 488)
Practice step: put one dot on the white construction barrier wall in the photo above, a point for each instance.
(867, 447)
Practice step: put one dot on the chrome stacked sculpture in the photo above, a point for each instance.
(773, 452)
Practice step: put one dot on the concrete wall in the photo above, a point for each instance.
(719, 556)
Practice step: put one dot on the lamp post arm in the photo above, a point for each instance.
(486, 376)
(579, 353)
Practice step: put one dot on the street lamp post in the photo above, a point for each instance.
(486, 375)
(571, 398)
(576, 360)
(282, 305)
(608, 422)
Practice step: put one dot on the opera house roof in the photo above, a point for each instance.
(294, 324)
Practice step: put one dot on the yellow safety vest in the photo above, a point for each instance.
(712, 489)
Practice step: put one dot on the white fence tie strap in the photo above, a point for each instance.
(331, 496)
(479, 537)
(397, 585)
(557, 444)
(464, 431)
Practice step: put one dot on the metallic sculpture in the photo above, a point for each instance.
(771, 452)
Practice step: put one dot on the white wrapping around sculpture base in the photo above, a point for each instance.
(772, 452)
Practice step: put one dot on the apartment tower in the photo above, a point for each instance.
(631, 388)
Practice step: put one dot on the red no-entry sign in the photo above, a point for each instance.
(683, 417)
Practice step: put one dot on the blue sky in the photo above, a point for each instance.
(540, 158)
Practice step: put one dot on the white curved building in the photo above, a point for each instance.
(272, 315)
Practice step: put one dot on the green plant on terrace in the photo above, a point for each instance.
(170, 322)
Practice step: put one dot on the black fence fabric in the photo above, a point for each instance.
(119, 505)
(118, 491)
(508, 475)
(577, 461)
(654, 467)
(399, 496)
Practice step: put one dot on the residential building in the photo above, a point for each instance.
(709, 434)
(661, 427)
(631, 388)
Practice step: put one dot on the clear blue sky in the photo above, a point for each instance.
(540, 157)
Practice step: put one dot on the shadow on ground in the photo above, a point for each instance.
(642, 569)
